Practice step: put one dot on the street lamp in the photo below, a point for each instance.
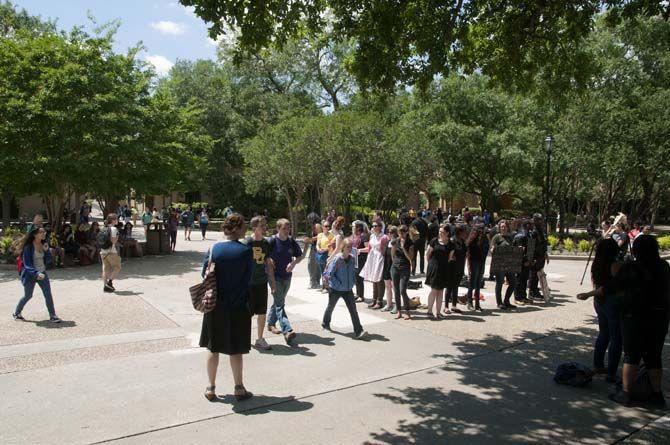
(548, 146)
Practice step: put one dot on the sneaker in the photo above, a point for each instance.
(262, 345)
(107, 288)
(111, 285)
(509, 306)
(502, 307)
(479, 308)
(471, 307)
(361, 335)
(325, 327)
(622, 398)
(274, 330)
(387, 308)
(521, 301)
(394, 311)
(456, 310)
(289, 337)
(18, 317)
(55, 320)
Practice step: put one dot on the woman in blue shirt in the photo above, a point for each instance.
(227, 328)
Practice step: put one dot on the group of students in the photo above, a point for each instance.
(172, 217)
(388, 256)
(632, 301)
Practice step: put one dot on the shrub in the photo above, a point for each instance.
(664, 242)
(584, 246)
(569, 244)
(6, 254)
(553, 241)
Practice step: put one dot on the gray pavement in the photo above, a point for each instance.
(125, 368)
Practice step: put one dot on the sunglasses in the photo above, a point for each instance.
(375, 225)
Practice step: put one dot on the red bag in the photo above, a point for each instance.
(19, 264)
(203, 295)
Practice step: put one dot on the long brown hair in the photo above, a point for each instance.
(26, 240)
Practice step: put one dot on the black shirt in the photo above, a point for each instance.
(400, 260)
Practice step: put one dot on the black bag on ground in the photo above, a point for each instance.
(573, 374)
(414, 284)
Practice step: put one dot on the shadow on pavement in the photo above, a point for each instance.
(262, 404)
(510, 397)
(49, 325)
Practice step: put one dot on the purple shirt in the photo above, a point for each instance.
(282, 254)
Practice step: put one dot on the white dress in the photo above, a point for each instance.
(374, 266)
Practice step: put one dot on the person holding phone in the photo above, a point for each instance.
(34, 255)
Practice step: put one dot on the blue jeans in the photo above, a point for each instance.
(348, 297)
(321, 260)
(475, 281)
(313, 268)
(511, 284)
(28, 289)
(277, 311)
(609, 335)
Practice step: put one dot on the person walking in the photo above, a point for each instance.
(360, 239)
(187, 218)
(227, 328)
(204, 222)
(262, 275)
(402, 252)
(457, 254)
(502, 239)
(341, 274)
(436, 276)
(539, 257)
(109, 254)
(476, 250)
(373, 269)
(323, 245)
(521, 240)
(285, 254)
(34, 254)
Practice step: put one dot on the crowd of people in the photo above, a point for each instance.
(339, 265)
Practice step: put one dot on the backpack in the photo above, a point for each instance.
(414, 284)
(573, 374)
(105, 238)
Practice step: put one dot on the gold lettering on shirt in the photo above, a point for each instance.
(259, 257)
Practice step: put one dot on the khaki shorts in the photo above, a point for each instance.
(111, 262)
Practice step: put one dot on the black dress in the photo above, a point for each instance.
(437, 273)
(227, 328)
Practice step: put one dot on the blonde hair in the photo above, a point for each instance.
(282, 222)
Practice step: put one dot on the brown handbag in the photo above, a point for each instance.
(203, 295)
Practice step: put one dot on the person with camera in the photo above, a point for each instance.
(34, 255)
(642, 288)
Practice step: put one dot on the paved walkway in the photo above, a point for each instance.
(124, 368)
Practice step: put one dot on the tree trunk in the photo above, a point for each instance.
(291, 214)
(6, 208)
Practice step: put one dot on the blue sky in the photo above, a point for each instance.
(168, 30)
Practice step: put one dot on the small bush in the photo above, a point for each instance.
(584, 246)
(569, 244)
(664, 242)
(553, 241)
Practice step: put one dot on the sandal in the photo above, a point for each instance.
(239, 396)
(210, 394)
(408, 316)
(430, 316)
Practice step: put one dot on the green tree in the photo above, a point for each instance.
(513, 42)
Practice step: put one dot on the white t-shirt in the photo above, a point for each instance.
(114, 233)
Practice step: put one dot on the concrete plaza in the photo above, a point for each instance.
(125, 368)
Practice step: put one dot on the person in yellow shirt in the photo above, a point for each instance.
(323, 246)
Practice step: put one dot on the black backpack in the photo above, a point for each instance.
(573, 374)
(105, 238)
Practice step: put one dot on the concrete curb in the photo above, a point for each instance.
(585, 257)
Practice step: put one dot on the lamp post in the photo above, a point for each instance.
(548, 146)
